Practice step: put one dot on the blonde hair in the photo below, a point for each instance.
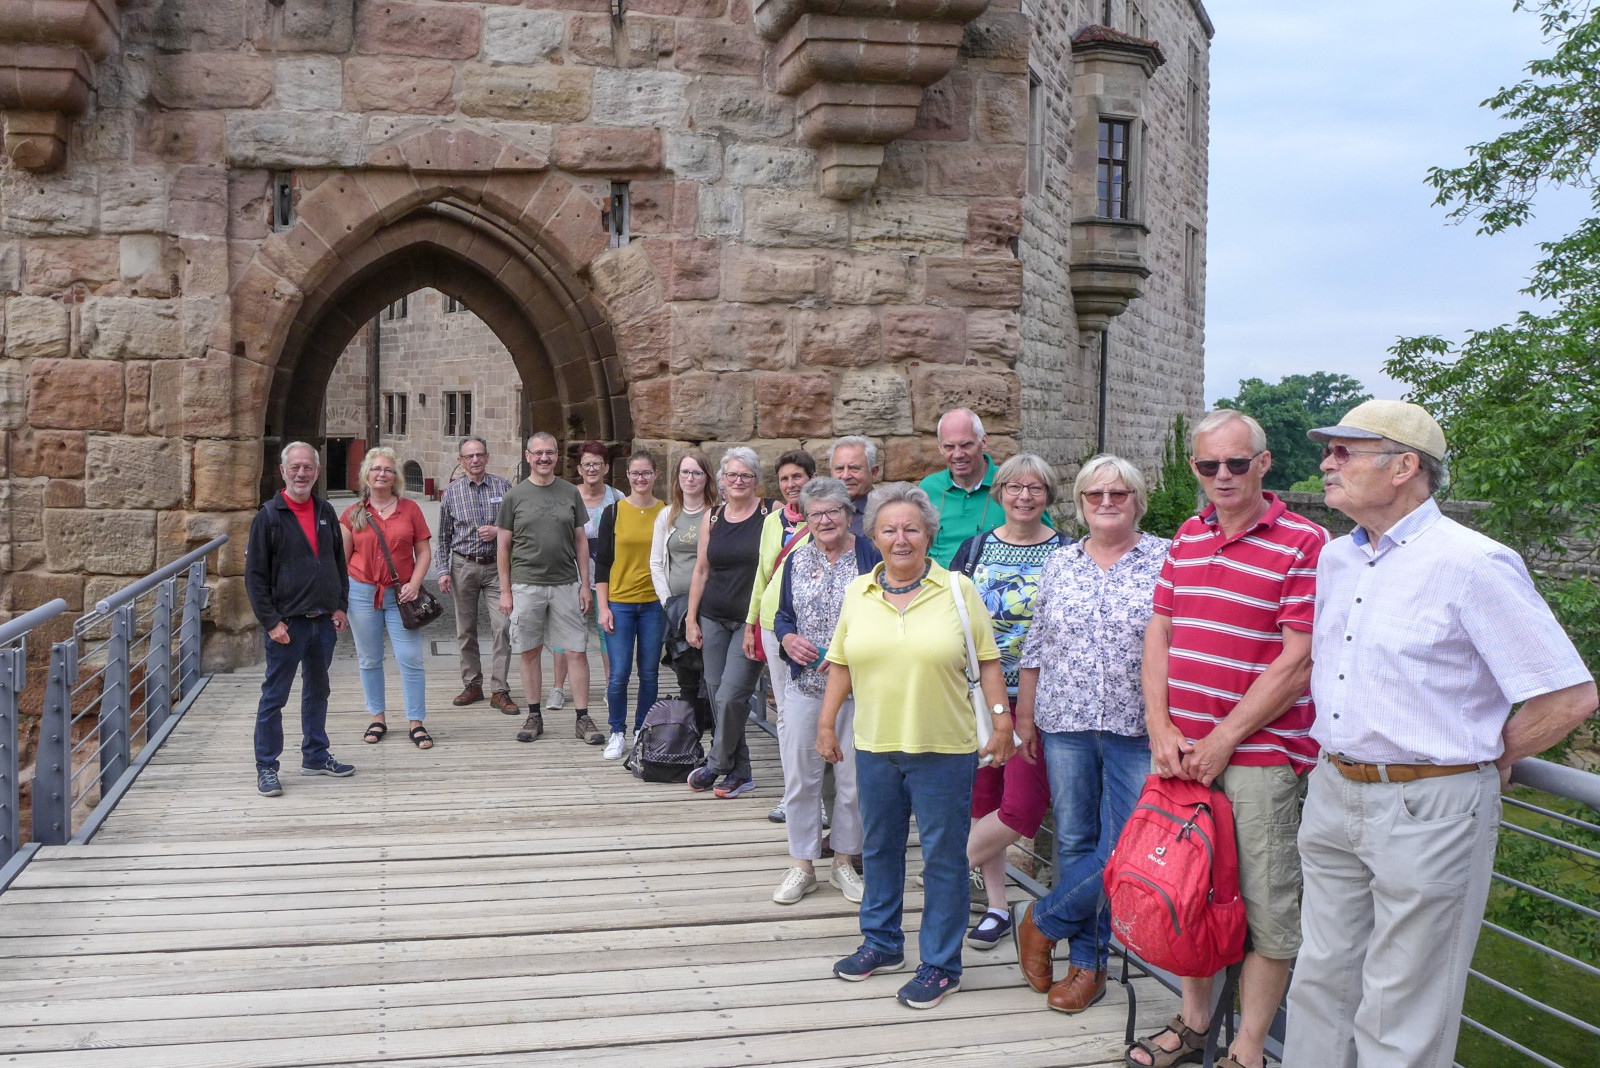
(704, 463)
(1090, 473)
(358, 520)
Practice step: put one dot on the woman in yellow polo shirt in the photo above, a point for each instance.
(628, 612)
(900, 649)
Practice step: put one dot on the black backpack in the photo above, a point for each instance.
(667, 748)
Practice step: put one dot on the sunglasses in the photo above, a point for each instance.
(1237, 465)
(1098, 497)
(1341, 454)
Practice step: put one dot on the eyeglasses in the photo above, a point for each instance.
(830, 515)
(732, 477)
(468, 457)
(1341, 455)
(1023, 489)
(691, 474)
(592, 467)
(651, 475)
(1099, 497)
(1237, 465)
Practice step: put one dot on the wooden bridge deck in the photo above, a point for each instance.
(483, 903)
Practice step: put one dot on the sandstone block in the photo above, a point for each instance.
(993, 223)
(740, 106)
(281, 139)
(977, 169)
(134, 200)
(945, 113)
(226, 475)
(603, 150)
(140, 255)
(134, 472)
(1003, 108)
(178, 137)
(63, 493)
(997, 34)
(838, 337)
(692, 157)
(881, 221)
(694, 9)
(22, 507)
(759, 276)
(172, 26)
(206, 389)
(26, 556)
(36, 328)
(178, 533)
(51, 205)
(770, 166)
(904, 168)
(712, 406)
(794, 219)
(100, 540)
(250, 384)
(229, 605)
(531, 94)
(650, 403)
(13, 394)
(210, 80)
(164, 406)
(920, 332)
(199, 204)
(415, 86)
(136, 412)
(435, 31)
(720, 211)
(626, 280)
(911, 459)
(303, 26)
(794, 405)
(134, 328)
(29, 590)
(515, 35)
(75, 394)
(691, 268)
(55, 264)
(644, 345)
(995, 395)
(638, 42)
(994, 335)
(639, 98)
(718, 48)
(985, 283)
(105, 138)
(731, 337)
(47, 453)
(872, 402)
(650, 207)
(871, 278)
(308, 83)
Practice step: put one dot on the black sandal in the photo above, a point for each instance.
(375, 733)
(1191, 1047)
(419, 735)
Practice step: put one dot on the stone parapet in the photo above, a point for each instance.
(46, 77)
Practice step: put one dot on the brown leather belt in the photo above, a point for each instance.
(1356, 771)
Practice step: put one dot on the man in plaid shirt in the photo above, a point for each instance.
(467, 571)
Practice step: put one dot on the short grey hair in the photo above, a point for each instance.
(864, 444)
(1026, 463)
(900, 493)
(538, 435)
(744, 455)
(283, 457)
(1130, 475)
(826, 490)
(471, 437)
(1434, 470)
(1221, 417)
(977, 424)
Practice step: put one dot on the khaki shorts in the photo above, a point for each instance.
(542, 615)
(1266, 817)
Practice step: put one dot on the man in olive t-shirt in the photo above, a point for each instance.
(544, 581)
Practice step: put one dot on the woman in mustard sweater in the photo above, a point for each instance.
(629, 613)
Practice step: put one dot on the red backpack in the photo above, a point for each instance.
(1173, 880)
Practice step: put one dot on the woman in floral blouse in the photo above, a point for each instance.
(1080, 690)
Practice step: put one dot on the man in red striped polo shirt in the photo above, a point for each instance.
(1227, 666)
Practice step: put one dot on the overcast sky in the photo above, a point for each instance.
(1324, 245)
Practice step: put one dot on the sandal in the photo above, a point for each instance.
(1191, 1047)
(375, 733)
(421, 738)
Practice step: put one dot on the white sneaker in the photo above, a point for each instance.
(797, 883)
(615, 745)
(848, 880)
(557, 699)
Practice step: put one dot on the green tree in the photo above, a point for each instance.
(1287, 410)
(1177, 493)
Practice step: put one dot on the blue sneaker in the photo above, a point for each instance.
(701, 779)
(864, 962)
(329, 766)
(928, 987)
(731, 786)
(267, 782)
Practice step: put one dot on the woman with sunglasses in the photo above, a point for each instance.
(1004, 564)
(1080, 691)
(630, 616)
(594, 463)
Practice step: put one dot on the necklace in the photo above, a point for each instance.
(927, 567)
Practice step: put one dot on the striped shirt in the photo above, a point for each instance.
(1229, 600)
(466, 506)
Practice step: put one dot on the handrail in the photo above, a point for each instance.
(13, 629)
(136, 589)
(1558, 779)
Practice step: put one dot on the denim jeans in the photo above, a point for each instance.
(637, 626)
(310, 651)
(367, 625)
(937, 789)
(1095, 780)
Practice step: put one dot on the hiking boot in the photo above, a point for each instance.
(928, 987)
(472, 693)
(532, 727)
(701, 778)
(848, 881)
(1081, 988)
(328, 766)
(558, 698)
(267, 782)
(989, 930)
(866, 961)
(732, 786)
(614, 745)
(586, 731)
(504, 703)
(797, 883)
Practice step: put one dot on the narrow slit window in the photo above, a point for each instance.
(1035, 134)
(1112, 176)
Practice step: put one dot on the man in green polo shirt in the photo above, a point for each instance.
(961, 492)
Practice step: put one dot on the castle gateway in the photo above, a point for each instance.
(763, 221)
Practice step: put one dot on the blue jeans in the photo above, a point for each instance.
(367, 625)
(937, 788)
(640, 626)
(1095, 780)
(310, 651)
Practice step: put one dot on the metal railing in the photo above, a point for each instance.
(119, 683)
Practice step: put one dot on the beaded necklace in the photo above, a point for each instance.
(926, 567)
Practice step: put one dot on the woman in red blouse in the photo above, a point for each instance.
(375, 595)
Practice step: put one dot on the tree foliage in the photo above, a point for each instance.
(1177, 494)
(1290, 408)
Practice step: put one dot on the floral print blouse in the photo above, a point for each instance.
(1087, 639)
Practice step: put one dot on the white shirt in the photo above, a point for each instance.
(1423, 643)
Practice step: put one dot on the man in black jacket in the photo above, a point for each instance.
(298, 584)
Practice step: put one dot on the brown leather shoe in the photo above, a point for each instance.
(1080, 989)
(504, 703)
(470, 694)
(1034, 952)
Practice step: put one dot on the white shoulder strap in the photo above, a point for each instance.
(966, 627)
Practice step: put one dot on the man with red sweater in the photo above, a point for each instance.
(1227, 666)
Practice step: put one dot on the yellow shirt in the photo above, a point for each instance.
(630, 569)
(907, 671)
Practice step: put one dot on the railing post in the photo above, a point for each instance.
(52, 776)
(116, 699)
(158, 664)
(13, 677)
(194, 600)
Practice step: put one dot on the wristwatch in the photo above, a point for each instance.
(999, 710)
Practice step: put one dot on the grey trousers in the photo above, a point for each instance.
(730, 680)
(803, 767)
(1396, 877)
(470, 581)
